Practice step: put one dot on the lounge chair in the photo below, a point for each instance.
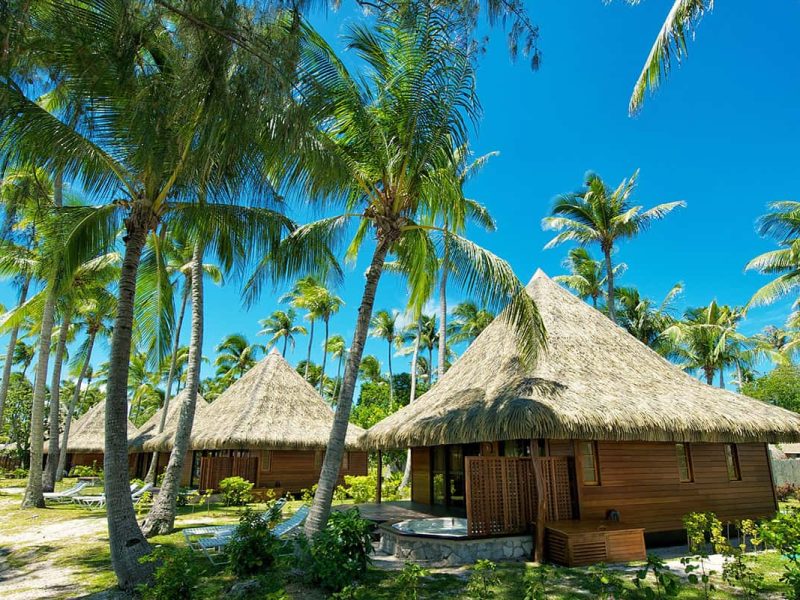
(66, 495)
(100, 501)
(194, 534)
(214, 547)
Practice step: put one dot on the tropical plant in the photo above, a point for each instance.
(600, 215)
(670, 45)
(235, 356)
(151, 133)
(468, 323)
(587, 275)
(646, 321)
(336, 346)
(370, 369)
(707, 340)
(384, 326)
(280, 324)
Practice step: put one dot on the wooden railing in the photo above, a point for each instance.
(502, 496)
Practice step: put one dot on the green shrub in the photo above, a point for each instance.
(176, 577)
(361, 488)
(409, 580)
(307, 495)
(783, 533)
(483, 578)
(18, 473)
(667, 584)
(536, 582)
(236, 491)
(605, 584)
(339, 554)
(253, 548)
(85, 471)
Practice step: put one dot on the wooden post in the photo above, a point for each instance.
(380, 478)
(541, 509)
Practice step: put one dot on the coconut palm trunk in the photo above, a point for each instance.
(12, 342)
(709, 372)
(126, 541)
(308, 354)
(324, 354)
(151, 471)
(161, 519)
(33, 490)
(336, 388)
(62, 455)
(413, 396)
(51, 467)
(612, 313)
(321, 507)
(391, 380)
(443, 313)
(722, 377)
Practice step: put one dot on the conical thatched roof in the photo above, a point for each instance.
(149, 439)
(271, 406)
(594, 381)
(87, 434)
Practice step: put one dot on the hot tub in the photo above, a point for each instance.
(443, 541)
(450, 527)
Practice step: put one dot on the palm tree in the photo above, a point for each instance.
(142, 387)
(23, 355)
(706, 340)
(384, 326)
(302, 296)
(587, 275)
(420, 95)
(148, 132)
(429, 340)
(413, 333)
(280, 324)
(326, 304)
(603, 216)
(337, 348)
(646, 321)
(235, 356)
(469, 322)
(670, 43)
(783, 225)
(94, 316)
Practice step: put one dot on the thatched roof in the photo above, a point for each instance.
(594, 381)
(87, 434)
(271, 406)
(149, 439)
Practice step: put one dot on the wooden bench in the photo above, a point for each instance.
(577, 543)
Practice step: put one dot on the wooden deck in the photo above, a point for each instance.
(576, 543)
(400, 511)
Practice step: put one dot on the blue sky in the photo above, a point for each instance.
(721, 135)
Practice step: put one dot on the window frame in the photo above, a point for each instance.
(732, 462)
(595, 462)
(687, 453)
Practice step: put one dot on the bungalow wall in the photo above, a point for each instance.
(642, 480)
(290, 470)
(95, 459)
(142, 465)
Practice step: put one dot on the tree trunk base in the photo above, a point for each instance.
(29, 501)
(154, 526)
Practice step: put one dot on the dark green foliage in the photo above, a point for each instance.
(483, 578)
(783, 533)
(176, 577)
(780, 387)
(253, 548)
(409, 580)
(17, 421)
(373, 400)
(537, 582)
(667, 584)
(605, 584)
(339, 554)
(236, 491)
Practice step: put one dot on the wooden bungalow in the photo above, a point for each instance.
(149, 440)
(86, 444)
(270, 427)
(619, 441)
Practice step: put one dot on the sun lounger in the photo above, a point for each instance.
(193, 534)
(100, 501)
(214, 547)
(66, 495)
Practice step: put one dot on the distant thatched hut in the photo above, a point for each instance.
(86, 444)
(614, 430)
(270, 427)
(149, 440)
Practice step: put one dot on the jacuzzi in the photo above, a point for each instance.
(451, 527)
(443, 541)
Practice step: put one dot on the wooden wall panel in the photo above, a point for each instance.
(421, 475)
(641, 481)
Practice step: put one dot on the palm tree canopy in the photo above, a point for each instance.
(469, 321)
(599, 214)
(281, 324)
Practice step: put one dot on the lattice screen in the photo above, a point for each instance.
(501, 493)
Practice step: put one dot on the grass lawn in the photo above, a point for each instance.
(62, 552)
